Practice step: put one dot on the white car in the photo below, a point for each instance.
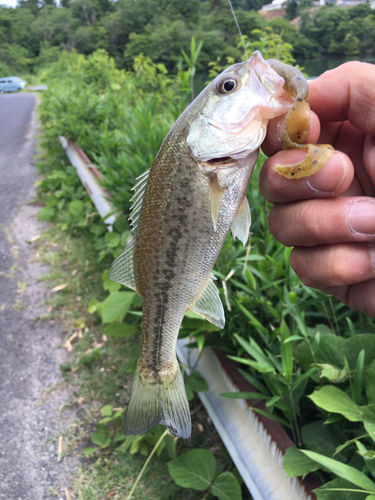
(11, 84)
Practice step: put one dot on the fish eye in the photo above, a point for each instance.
(226, 85)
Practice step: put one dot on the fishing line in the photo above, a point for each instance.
(239, 29)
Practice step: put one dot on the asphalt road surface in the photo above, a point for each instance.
(30, 420)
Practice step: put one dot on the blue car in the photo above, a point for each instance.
(11, 84)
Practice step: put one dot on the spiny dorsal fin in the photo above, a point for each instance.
(242, 222)
(122, 269)
(137, 199)
(209, 305)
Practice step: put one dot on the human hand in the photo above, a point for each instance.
(329, 217)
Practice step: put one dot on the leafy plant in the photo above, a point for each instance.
(196, 469)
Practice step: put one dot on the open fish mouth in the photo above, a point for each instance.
(218, 162)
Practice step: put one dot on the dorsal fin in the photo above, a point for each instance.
(209, 305)
(122, 269)
(137, 199)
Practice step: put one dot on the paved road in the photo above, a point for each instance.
(29, 353)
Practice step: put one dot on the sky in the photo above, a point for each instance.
(8, 3)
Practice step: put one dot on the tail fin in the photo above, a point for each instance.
(158, 403)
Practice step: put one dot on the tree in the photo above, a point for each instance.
(292, 9)
(32, 5)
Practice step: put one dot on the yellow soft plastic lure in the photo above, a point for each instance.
(297, 125)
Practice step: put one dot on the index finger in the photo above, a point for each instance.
(346, 93)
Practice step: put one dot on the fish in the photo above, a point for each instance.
(182, 211)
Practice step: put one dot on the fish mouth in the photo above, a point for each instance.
(214, 164)
(219, 162)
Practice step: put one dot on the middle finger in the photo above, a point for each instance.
(317, 222)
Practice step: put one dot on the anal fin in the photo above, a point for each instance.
(122, 270)
(242, 222)
(209, 305)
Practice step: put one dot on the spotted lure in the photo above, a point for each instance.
(183, 209)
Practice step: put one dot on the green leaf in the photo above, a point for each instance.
(286, 353)
(116, 305)
(195, 469)
(369, 419)
(135, 444)
(335, 400)
(98, 438)
(253, 320)
(93, 305)
(346, 472)
(90, 451)
(330, 350)
(112, 239)
(321, 438)
(368, 456)
(127, 443)
(243, 395)
(108, 284)
(117, 329)
(272, 417)
(338, 489)
(260, 367)
(292, 338)
(328, 371)
(370, 382)
(121, 224)
(295, 463)
(46, 213)
(226, 487)
(107, 410)
(125, 238)
(196, 382)
(76, 208)
(358, 377)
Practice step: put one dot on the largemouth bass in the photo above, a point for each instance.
(182, 211)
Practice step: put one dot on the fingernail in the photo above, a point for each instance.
(330, 177)
(361, 217)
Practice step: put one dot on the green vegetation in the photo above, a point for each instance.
(33, 34)
(294, 344)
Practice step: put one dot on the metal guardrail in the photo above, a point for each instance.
(89, 176)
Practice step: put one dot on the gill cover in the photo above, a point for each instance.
(234, 118)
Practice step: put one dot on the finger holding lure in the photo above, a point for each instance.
(183, 209)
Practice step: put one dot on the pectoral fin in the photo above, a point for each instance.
(122, 269)
(209, 305)
(217, 194)
(242, 222)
